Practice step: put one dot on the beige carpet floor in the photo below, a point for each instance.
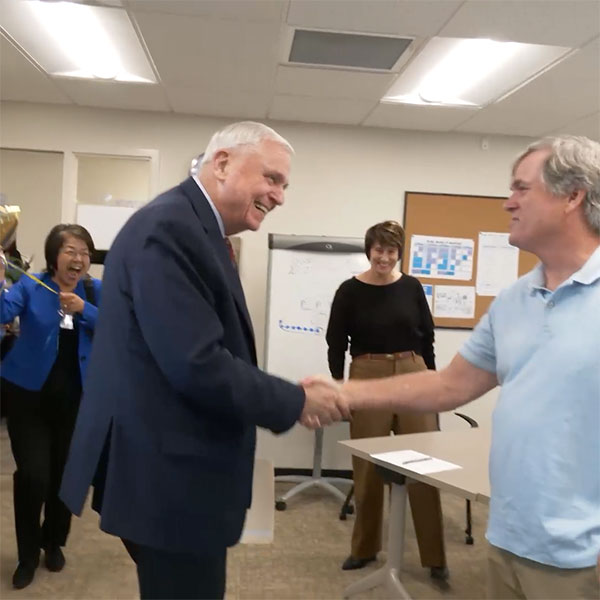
(303, 562)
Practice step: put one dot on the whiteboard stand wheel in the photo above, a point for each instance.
(280, 504)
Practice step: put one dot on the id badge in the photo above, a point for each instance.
(66, 322)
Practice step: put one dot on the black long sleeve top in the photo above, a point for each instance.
(378, 319)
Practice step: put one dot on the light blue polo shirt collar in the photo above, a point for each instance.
(590, 271)
(212, 206)
(588, 274)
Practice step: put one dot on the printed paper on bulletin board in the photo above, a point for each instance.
(455, 217)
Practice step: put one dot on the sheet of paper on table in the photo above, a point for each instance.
(416, 461)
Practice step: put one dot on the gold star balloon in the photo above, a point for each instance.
(9, 219)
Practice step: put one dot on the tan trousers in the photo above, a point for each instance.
(368, 486)
(510, 576)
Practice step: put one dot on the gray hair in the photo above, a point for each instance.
(243, 133)
(573, 164)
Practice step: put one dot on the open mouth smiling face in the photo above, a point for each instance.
(73, 261)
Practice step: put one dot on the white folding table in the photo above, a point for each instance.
(468, 448)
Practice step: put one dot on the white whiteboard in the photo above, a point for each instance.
(103, 222)
(304, 273)
(302, 284)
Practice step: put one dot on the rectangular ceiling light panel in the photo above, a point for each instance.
(76, 40)
(470, 72)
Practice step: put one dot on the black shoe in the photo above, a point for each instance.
(439, 573)
(54, 559)
(352, 563)
(24, 573)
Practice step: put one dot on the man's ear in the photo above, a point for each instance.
(220, 163)
(576, 198)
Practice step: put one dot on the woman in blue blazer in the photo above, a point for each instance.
(43, 372)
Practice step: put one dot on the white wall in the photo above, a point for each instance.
(343, 180)
(33, 181)
(117, 177)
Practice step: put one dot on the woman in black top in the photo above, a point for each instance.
(383, 315)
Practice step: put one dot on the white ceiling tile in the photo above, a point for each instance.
(204, 102)
(111, 94)
(332, 83)
(392, 17)
(319, 110)
(588, 126)
(21, 81)
(557, 22)
(221, 55)
(240, 10)
(533, 121)
(407, 116)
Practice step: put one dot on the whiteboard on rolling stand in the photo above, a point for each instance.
(304, 274)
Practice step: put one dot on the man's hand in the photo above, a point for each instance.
(324, 403)
(71, 303)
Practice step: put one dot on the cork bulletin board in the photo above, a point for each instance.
(457, 216)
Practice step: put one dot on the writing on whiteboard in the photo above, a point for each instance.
(295, 328)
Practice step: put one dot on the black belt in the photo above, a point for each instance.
(389, 356)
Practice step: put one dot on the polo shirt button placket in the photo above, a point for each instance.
(547, 329)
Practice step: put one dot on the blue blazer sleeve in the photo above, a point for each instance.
(13, 301)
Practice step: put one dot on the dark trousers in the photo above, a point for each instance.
(40, 426)
(166, 575)
(368, 486)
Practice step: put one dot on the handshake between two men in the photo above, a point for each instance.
(325, 402)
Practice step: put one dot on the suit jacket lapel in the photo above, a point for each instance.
(209, 222)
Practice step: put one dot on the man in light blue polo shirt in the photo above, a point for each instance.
(540, 341)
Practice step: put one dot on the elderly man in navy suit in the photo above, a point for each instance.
(167, 426)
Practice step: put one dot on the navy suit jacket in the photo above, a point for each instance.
(167, 425)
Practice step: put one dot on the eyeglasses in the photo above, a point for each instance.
(73, 253)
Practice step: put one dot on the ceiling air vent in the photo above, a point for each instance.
(346, 49)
